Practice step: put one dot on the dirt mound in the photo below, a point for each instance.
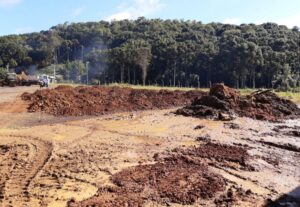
(220, 153)
(66, 100)
(223, 92)
(224, 103)
(181, 177)
(177, 181)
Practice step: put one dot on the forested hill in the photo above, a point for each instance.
(164, 52)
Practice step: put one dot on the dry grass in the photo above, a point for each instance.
(294, 96)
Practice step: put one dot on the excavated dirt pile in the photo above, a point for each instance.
(69, 101)
(181, 177)
(224, 103)
(217, 152)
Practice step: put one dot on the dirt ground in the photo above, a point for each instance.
(144, 158)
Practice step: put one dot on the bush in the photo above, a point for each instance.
(3, 73)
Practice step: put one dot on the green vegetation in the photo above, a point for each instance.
(3, 73)
(162, 52)
(153, 87)
(290, 95)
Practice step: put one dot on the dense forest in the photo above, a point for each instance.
(162, 52)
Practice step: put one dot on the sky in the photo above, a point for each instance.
(24, 16)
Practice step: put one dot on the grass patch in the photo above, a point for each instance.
(152, 87)
(54, 85)
(294, 96)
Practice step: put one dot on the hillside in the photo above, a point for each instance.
(164, 52)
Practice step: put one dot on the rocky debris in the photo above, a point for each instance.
(182, 176)
(224, 103)
(97, 100)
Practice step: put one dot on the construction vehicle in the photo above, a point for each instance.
(44, 80)
(9, 80)
(13, 79)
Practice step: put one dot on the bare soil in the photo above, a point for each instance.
(224, 103)
(176, 181)
(143, 158)
(79, 101)
(181, 177)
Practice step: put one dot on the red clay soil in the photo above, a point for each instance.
(174, 181)
(69, 101)
(218, 152)
(183, 177)
(224, 103)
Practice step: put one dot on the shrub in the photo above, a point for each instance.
(3, 73)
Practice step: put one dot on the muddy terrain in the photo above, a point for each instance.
(140, 157)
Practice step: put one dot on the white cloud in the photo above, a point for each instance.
(260, 21)
(119, 16)
(24, 30)
(290, 21)
(77, 11)
(136, 8)
(9, 3)
(236, 21)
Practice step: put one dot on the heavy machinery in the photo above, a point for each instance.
(13, 79)
(9, 80)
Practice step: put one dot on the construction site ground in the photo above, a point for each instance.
(79, 161)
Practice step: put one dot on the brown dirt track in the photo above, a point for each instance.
(142, 158)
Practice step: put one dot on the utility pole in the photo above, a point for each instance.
(54, 71)
(82, 53)
(55, 62)
(174, 75)
(87, 72)
(81, 59)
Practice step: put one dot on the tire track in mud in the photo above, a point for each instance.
(26, 157)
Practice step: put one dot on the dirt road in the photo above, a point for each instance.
(48, 161)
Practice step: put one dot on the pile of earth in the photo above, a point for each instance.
(78, 101)
(182, 177)
(217, 153)
(224, 103)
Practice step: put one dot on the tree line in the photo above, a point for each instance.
(162, 52)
